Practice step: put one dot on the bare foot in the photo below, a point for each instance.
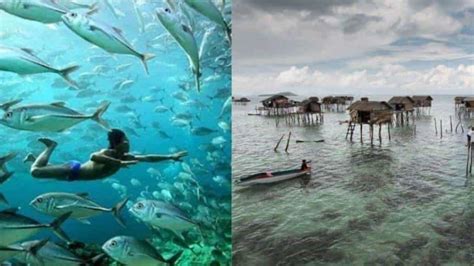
(48, 142)
(29, 158)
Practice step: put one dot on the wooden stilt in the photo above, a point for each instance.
(451, 123)
(288, 142)
(441, 128)
(469, 155)
(380, 133)
(388, 129)
(436, 127)
(278, 143)
(361, 141)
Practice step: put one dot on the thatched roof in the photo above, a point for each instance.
(369, 106)
(469, 99)
(274, 97)
(421, 98)
(401, 100)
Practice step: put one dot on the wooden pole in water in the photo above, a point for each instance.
(436, 127)
(470, 167)
(288, 142)
(451, 123)
(468, 156)
(380, 133)
(388, 129)
(371, 134)
(278, 143)
(361, 133)
(441, 128)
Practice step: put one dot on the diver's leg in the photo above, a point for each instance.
(43, 158)
(61, 172)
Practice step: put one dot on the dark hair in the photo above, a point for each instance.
(116, 137)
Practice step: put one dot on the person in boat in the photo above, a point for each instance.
(304, 165)
(101, 164)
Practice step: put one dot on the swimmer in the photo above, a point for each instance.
(102, 164)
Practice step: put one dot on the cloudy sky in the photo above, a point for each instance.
(320, 47)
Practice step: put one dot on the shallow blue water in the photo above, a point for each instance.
(132, 109)
(406, 201)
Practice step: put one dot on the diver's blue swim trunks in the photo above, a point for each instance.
(75, 169)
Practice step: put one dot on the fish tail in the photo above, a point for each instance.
(56, 226)
(116, 211)
(65, 72)
(3, 199)
(198, 83)
(36, 247)
(172, 260)
(228, 32)
(145, 57)
(7, 158)
(97, 116)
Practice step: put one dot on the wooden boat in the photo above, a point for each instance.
(273, 177)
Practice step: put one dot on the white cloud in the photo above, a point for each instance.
(389, 79)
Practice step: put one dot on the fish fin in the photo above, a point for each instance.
(172, 260)
(97, 116)
(83, 194)
(117, 30)
(28, 50)
(58, 104)
(186, 29)
(56, 226)
(116, 211)
(93, 9)
(65, 72)
(144, 58)
(5, 177)
(3, 199)
(84, 221)
(97, 260)
(11, 210)
(7, 105)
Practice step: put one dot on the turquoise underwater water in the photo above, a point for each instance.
(134, 97)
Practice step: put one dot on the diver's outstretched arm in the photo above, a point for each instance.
(104, 159)
(153, 158)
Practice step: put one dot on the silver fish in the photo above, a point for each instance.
(54, 117)
(46, 253)
(17, 250)
(69, 4)
(104, 36)
(202, 131)
(131, 251)
(209, 10)
(80, 207)
(6, 174)
(185, 39)
(159, 214)
(24, 62)
(44, 11)
(15, 227)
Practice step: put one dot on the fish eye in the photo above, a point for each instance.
(73, 15)
(39, 200)
(167, 10)
(140, 205)
(113, 243)
(9, 114)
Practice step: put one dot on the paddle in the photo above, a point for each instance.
(316, 141)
